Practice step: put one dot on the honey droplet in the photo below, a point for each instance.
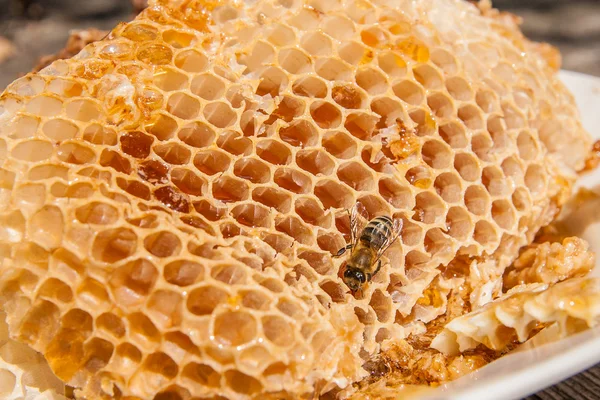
(173, 199)
(136, 144)
(367, 57)
(155, 54)
(149, 100)
(422, 183)
(400, 28)
(427, 126)
(139, 33)
(369, 39)
(116, 51)
(431, 297)
(346, 96)
(414, 48)
(419, 177)
(594, 158)
(406, 145)
(153, 171)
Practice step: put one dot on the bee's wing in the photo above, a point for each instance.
(391, 238)
(358, 221)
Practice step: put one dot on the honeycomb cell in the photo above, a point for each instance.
(441, 105)
(252, 215)
(426, 124)
(272, 197)
(212, 162)
(494, 181)
(360, 125)
(535, 179)
(410, 92)
(339, 145)
(477, 200)
(136, 144)
(242, 383)
(246, 328)
(326, 115)
(333, 195)
(292, 180)
(372, 81)
(281, 35)
(310, 86)
(459, 224)
(389, 110)
(302, 133)
(183, 105)
(219, 114)
(170, 80)
(454, 134)
(459, 88)
(188, 182)
(471, 116)
(467, 166)
(348, 96)
(74, 153)
(191, 60)
(398, 195)
(82, 110)
(97, 213)
(273, 152)
(203, 300)
(315, 161)
(44, 106)
(295, 61)
(208, 86)
(487, 100)
(165, 307)
(316, 44)
(59, 130)
(485, 233)
(133, 280)
(448, 187)
(277, 330)
(32, 151)
(273, 81)
(253, 170)
(333, 69)
(428, 208)
(112, 324)
(420, 177)
(163, 127)
(294, 228)
(162, 244)
(172, 198)
(199, 376)
(436, 154)
(528, 148)
(56, 290)
(356, 176)
(234, 143)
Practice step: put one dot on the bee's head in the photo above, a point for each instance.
(354, 278)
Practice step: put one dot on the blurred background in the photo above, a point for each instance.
(31, 29)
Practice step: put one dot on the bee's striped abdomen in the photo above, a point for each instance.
(377, 231)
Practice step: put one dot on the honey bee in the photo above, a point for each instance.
(369, 240)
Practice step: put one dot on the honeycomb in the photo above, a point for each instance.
(24, 374)
(172, 195)
(516, 314)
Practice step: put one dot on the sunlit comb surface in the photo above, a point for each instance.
(171, 197)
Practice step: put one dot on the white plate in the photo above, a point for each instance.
(541, 365)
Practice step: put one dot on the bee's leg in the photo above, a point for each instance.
(343, 250)
(378, 267)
